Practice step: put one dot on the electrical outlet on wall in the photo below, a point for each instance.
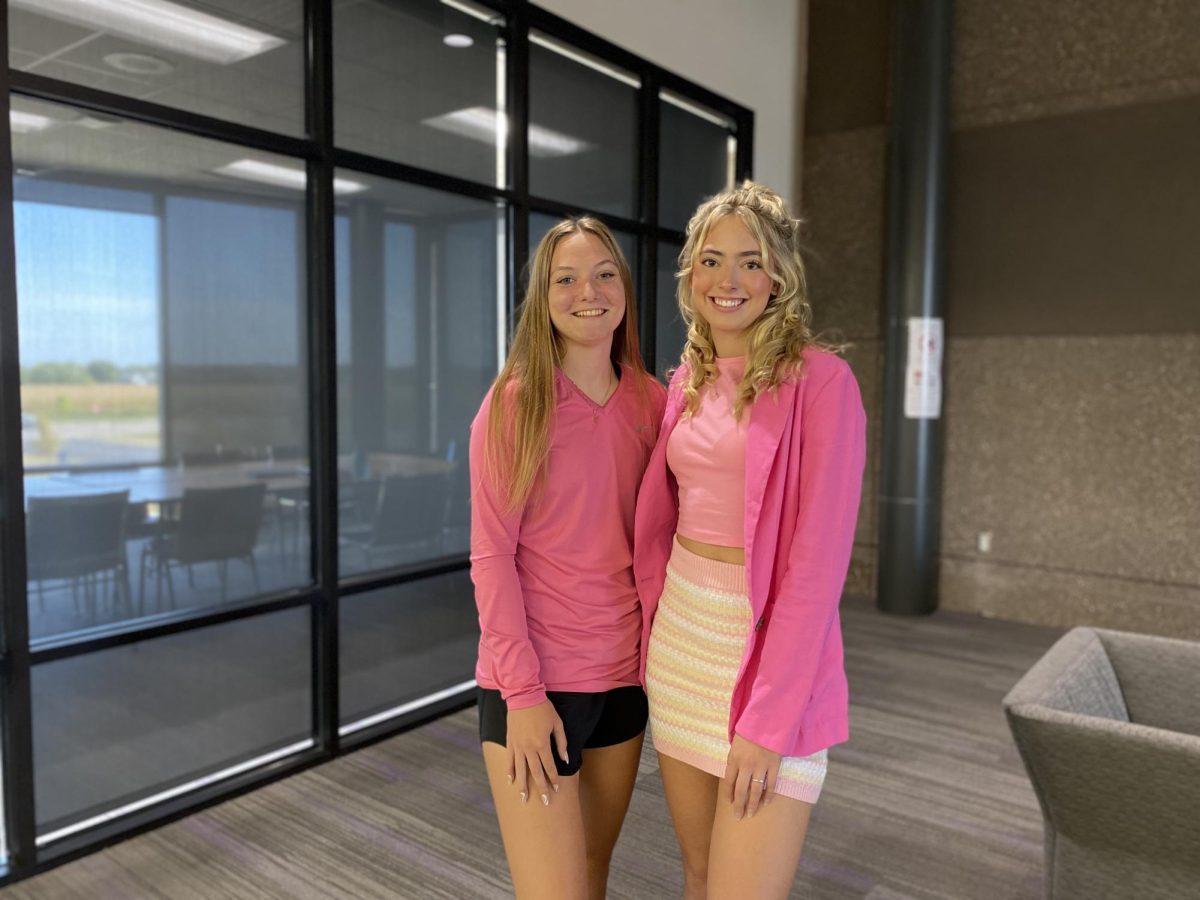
(983, 542)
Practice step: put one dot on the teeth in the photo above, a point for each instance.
(590, 313)
(727, 304)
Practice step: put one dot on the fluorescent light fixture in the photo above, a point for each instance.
(161, 23)
(584, 59)
(482, 13)
(458, 41)
(461, 688)
(482, 123)
(695, 109)
(27, 122)
(282, 176)
(51, 836)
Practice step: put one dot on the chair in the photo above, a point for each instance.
(1108, 725)
(214, 525)
(408, 515)
(77, 539)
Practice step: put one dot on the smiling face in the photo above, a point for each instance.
(587, 299)
(730, 287)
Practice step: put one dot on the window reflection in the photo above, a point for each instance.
(163, 377)
(419, 305)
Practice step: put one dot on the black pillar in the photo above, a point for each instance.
(911, 472)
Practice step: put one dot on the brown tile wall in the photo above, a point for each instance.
(1072, 407)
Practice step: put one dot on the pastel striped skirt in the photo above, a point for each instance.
(696, 646)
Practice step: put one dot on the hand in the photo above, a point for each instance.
(528, 744)
(750, 773)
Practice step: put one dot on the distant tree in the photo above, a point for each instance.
(58, 373)
(103, 372)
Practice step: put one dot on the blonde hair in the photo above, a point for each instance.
(523, 394)
(778, 339)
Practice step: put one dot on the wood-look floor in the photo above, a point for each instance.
(927, 801)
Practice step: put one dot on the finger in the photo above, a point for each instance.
(538, 784)
(548, 775)
(522, 779)
(741, 793)
(755, 794)
(510, 771)
(560, 740)
(769, 787)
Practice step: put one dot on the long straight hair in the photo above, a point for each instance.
(523, 394)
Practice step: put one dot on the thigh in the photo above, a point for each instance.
(544, 844)
(692, 801)
(757, 856)
(605, 786)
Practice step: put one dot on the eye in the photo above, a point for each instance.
(607, 276)
(709, 263)
(566, 280)
(753, 264)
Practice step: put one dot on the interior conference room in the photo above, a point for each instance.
(261, 261)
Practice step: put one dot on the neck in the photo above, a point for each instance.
(589, 367)
(729, 345)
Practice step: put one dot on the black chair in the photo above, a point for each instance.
(214, 525)
(78, 539)
(409, 515)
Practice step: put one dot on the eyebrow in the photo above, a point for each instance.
(606, 262)
(713, 252)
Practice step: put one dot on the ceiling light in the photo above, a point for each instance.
(483, 14)
(162, 24)
(481, 123)
(26, 122)
(138, 64)
(282, 176)
(458, 41)
(584, 59)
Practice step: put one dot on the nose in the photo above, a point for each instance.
(589, 290)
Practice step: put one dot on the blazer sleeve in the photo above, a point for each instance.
(505, 651)
(832, 456)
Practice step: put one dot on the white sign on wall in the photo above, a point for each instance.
(923, 369)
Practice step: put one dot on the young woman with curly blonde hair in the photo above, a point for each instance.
(744, 526)
(557, 452)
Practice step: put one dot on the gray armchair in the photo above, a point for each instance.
(1108, 724)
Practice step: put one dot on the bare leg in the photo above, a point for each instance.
(545, 845)
(605, 786)
(692, 800)
(757, 856)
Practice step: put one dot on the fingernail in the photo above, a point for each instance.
(524, 796)
(509, 777)
(555, 786)
(545, 800)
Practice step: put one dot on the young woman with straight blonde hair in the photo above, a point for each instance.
(743, 532)
(558, 449)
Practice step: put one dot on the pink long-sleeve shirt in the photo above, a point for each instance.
(558, 607)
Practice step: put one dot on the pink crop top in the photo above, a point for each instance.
(707, 454)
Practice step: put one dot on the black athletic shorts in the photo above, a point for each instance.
(590, 720)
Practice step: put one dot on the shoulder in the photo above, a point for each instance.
(822, 370)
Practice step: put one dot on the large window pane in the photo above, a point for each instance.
(582, 129)
(669, 330)
(421, 310)
(406, 642)
(120, 725)
(696, 158)
(225, 58)
(422, 83)
(161, 302)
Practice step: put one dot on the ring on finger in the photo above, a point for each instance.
(762, 781)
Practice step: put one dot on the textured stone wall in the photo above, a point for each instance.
(1072, 404)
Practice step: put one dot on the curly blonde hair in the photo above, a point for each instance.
(778, 339)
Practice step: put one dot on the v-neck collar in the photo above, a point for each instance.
(579, 392)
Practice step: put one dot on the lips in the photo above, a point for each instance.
(727, 304)
(589, 313)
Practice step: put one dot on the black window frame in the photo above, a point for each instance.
(321, 157)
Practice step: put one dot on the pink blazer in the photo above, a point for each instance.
(805, 451)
